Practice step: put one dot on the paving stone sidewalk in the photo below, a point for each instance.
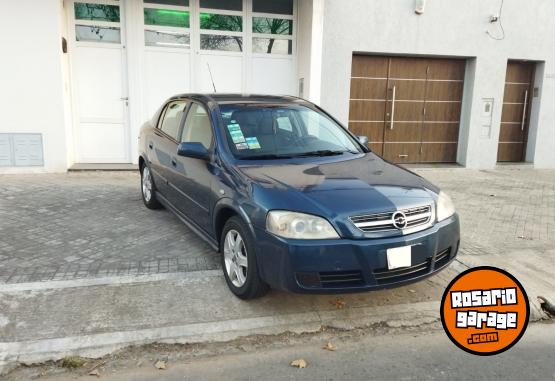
(93, 224)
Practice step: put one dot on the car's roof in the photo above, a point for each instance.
(239, 98)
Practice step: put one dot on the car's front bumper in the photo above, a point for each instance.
(348, 265)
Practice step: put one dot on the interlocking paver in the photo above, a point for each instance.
(93, 224)
(90, 224)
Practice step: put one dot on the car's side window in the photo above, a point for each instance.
(197, 126)
(172, 117)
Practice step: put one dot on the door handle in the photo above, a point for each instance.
(403, 156)
(124, 99)
(174, 163)
(524, 111)
(150, 145)
(392, 109)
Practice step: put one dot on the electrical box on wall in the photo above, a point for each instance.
(487, 117)
(21, 150)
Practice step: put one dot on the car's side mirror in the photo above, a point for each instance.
(363, 140)
(193, 149)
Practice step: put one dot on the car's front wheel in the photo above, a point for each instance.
(239, 261)
(148, 189)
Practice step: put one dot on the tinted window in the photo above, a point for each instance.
(283, 130)
(197, 126)
(172, 118)
(230, 5)
(284, 7)
(184, 3)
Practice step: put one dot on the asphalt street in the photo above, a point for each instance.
(422, 356)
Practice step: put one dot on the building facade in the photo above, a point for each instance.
(451, 81)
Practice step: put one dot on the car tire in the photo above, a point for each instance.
(239, 262)
(148, 190)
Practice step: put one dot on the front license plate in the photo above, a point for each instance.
(399, 257)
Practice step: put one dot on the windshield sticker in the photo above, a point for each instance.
(236, 133)
(253, 143)
(241, 146)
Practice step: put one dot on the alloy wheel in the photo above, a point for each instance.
(147, 184)
(235, 258)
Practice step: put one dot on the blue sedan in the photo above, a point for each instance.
(291, 198)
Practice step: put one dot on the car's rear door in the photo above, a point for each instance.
(193, 177)
(162, 145)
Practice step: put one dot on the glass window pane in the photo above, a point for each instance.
(197, 127)
(272, 45)
(167, 39)
(183, 3)
(166, 17)
(272, 26)
(219, 42)
(98, 12)
(230, 5)
(284, 7)
(221, 22)
(172, 118)
(97, 34)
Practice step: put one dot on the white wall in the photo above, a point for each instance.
(448, 28)
(31, 81)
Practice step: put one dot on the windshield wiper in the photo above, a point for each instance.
(324, 152)
(268, 156)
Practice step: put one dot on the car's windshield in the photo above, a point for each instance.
(273, 131)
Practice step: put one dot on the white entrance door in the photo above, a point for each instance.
(98, 66)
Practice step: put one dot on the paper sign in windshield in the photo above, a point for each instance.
(253, 143)
(236, 133)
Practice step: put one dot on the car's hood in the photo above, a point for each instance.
(343, 185)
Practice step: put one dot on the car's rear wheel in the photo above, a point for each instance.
(148, 189)
(239, 261)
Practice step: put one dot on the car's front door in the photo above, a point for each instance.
(162, 145)
(193, 177)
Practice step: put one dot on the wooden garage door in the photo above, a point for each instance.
(515, 119)
(408, 107)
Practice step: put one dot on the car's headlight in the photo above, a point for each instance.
(445, 207)
(299, 225)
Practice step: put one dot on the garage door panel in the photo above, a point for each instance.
(369, 66)
(440, 132)
(510, 151)
(366, 111)
(404, 132)
(427, 107)
(447, 70)
(373, 130)
(443, 112)
(407, 90)
(410, 68)
(444, 91)
(407, 111)
(377, 148)
(512, 113)
(511, 132)
(362, 88)
(438, 152)
(402, 152)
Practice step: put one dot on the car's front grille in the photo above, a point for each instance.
(381, 222)
(331, 279)
(386, 276)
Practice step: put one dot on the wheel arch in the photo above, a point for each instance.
(223, 211)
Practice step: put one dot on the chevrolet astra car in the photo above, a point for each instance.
(291, 198)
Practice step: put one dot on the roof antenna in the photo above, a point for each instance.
(211, 78)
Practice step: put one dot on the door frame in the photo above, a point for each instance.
(74, 99)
